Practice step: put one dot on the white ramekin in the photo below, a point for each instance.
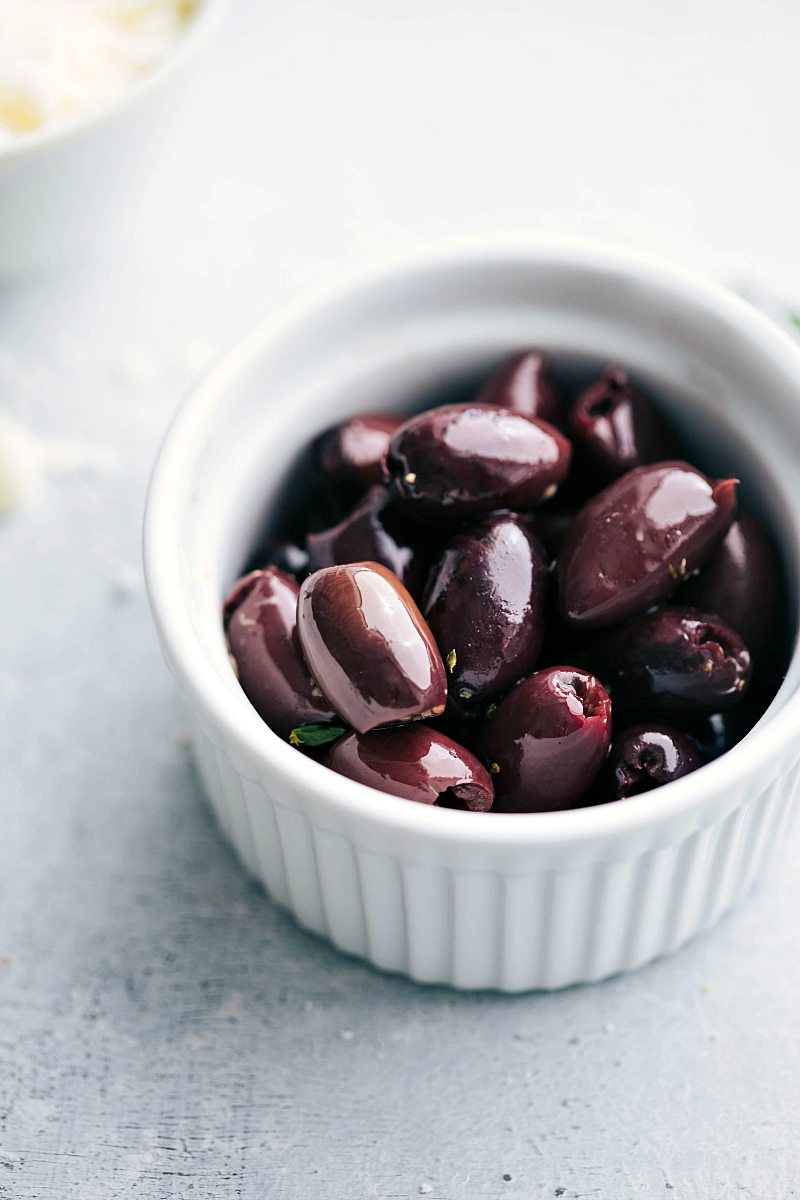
(505, 901)
(59, 185)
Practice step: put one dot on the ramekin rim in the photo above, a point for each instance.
(232, 711)
(48, 136)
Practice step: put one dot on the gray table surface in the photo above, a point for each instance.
(165, 1031)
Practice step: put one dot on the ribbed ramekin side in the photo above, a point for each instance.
(546, 928)
(206, 762)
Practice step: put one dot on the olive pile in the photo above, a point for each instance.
(523, 605)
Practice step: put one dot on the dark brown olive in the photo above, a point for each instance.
(742, 581)
(467, 459)
(547, 740)
(523, 385)
(676, 660)
(717, 733)
(374, 532)
(485, 606)
(368, 647)
(415, 763)
(260, 619)
(635, 542)
(645, 757)
(616, 428)
(351, 453)
(713, 732)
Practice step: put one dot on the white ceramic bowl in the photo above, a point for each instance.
(61, 185)
(504, 901)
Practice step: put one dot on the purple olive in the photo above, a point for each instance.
(742, 580)
(260, 619)
(415, 763)
(716, 733)
(547, 740)
(374, 532)
(645, 757)
(523, 385)
(616, 428)
(351, 453)
(676, 660)
(368, 647)
(636, 541)
(467, 459)
(485, 606)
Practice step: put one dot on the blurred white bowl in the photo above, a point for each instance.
(61, 183)
(504, 901)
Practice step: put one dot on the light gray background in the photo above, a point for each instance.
(164, 1031)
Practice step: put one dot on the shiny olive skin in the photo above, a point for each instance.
(646, 756)
(523, 385)
(716, 733)
(416, 763)
(547, 740)
(351, 453)
(368, 647)
(464, 460)
(616, 428)
(485, 606)
(740, 580)
(374, 532)
(637, 540)
(260, 620)
(676, 660)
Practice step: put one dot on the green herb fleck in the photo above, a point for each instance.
(794, 317)
(451, 661)
(315, 735)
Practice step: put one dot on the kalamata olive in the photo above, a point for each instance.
(485, 606)
(368, 647)
(289, 558)
(676, 660)
(467, 459)
(523, 385)
(646, 756)
(616, 428)
(374, 532)
(637, 540)
(416, 763)
(261, 623)
(742, 581)
(716, 733)
(351, 453)
(547, 740)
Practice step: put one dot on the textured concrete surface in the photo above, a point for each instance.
(164, 1031)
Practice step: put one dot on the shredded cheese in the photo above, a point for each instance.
(62, 58)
